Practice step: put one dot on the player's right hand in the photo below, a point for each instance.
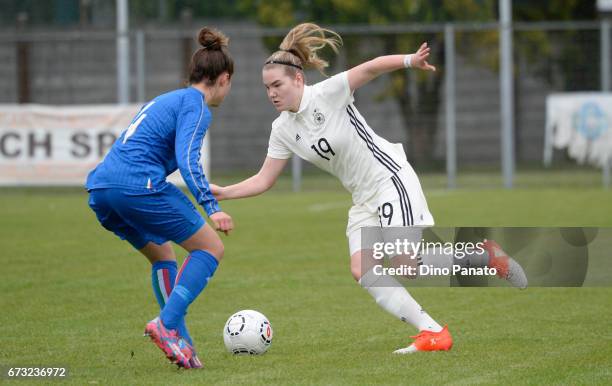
(222, 222)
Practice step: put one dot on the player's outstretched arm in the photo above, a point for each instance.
(252, 186)
(365, 72)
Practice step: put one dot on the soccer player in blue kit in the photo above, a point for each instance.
(129, 193)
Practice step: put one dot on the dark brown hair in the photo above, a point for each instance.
(212, 59)
(299, 48)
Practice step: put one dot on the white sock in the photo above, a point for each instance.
(437, 259)
(393, 297)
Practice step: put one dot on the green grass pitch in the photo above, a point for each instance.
(74, 295)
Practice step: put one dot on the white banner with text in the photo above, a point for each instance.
(59, 145)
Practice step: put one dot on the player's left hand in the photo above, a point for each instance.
(217, 191)
(419, 58)
(222, 221)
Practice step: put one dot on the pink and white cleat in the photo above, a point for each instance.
(194, 362)
(169, 342)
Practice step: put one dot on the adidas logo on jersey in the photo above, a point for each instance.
(297, 137)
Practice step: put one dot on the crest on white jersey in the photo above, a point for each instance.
(318, 117)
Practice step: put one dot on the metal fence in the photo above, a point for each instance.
(446, 120)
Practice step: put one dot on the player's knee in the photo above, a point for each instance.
(220, 251)
(356, 271)
(356, 266)
(216, 249)
(356, 274)
(407, 264)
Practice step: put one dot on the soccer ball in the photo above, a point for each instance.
(247, 332)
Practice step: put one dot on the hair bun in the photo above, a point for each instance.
(212, 39)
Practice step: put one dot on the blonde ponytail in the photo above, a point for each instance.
(299, 48)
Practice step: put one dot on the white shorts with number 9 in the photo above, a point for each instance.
(399, 202)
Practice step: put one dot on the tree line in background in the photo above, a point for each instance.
(286, 12)
(416, 93)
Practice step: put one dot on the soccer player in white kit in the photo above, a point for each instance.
(320, 124)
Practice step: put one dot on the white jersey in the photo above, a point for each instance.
(329, 132)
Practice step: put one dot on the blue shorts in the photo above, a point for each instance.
(141, 216)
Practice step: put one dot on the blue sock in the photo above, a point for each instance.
(195, 273)
(163, 275)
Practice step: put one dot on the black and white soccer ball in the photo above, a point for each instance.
(247, 332)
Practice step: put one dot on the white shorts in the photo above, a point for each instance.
(399, 202)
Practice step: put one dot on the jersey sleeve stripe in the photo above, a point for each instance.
(198, 163)
(200, 167)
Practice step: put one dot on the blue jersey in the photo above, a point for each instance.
(165, 135)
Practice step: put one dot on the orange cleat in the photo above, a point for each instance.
(507, 268)
(429, 341)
